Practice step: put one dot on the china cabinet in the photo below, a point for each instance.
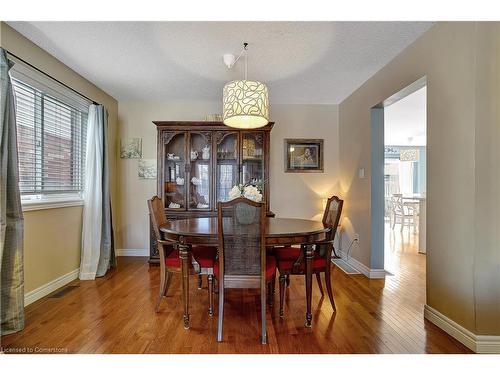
(199, 162)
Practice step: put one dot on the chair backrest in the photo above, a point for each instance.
(241, 230)
(397, 203)
(331, 217)
(157, 213)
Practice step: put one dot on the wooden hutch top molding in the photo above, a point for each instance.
(207, 125)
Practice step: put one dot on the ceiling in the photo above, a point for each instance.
(302, 62)
(405, 122)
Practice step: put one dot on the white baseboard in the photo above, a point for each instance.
(476, 343)
(371, 273)
(488, 344)
(132, 252)
(377, 273)
(51, 286)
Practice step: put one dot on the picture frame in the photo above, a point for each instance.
(131, 148)
(146, 169)
(303, 155)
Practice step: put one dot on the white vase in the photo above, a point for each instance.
(205, 153)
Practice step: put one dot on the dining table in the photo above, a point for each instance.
(278, 232)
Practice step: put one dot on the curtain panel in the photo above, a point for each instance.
(98, 254)
(11, 214)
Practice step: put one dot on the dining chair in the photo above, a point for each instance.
(202, 256)
(291, 260)
(403, 211)
(242, 259)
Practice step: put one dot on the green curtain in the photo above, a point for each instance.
(11, 214)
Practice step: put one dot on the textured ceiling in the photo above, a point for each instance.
(302, 62)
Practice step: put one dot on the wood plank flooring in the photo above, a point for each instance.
(115, 314)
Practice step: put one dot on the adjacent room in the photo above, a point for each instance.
(198, 187)
(405, 182)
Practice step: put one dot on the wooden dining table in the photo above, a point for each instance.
(279, 232)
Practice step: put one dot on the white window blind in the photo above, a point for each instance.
(51, 132)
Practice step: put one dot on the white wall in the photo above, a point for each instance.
(300, 194)
(292, 194)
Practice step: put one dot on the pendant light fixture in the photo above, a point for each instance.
(245, 103)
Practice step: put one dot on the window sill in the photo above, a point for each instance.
(46, 205)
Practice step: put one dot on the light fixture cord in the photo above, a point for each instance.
(245, 47)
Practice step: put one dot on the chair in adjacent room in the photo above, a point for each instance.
(291, 260)
(404, 212)
(242, 259)
(170, 262)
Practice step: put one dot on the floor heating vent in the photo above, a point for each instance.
(62, 292)
(342, 263)
(344, 266)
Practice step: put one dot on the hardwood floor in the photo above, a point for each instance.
(115, 314)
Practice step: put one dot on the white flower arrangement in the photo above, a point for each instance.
(248, 191)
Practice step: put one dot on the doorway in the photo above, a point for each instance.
(399, 180)
(405, 177)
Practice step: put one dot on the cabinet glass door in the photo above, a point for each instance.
(227, 164)
(252, 155)
(200, 159)
(174, 170)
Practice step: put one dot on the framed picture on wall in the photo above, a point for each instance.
(303, 155)
(147, 169)
(131, 148)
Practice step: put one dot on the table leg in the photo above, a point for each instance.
(184, 250)
(272, 285)
(200, 281)
(309, 261)
(414, 219)
(422, 226)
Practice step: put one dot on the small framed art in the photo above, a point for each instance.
(303, 155)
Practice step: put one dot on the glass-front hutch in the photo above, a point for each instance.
(199, 163)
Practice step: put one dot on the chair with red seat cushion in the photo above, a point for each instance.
(203, 255)
(169, 254)
(242, 253)
(291, 259)
(319, 263)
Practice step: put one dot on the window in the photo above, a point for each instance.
(51, 137)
